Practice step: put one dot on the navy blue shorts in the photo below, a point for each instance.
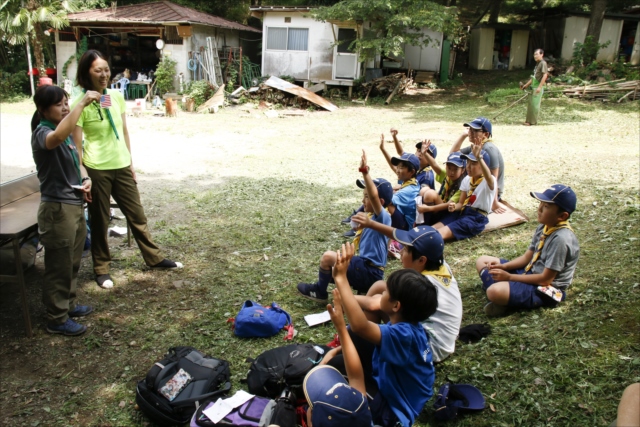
(521, 295)
(467, 224)
(399, 221)
(361, 275)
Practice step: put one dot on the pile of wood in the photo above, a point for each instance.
(269, 96)
(390, 85)
(628, 89)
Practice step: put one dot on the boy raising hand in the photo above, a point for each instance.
(401, 358)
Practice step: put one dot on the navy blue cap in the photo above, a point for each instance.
(470, 156)
(455, 158)
(407, 158)
(333, 401)
(424, 238)
(480, 123)
(561, 195)
(433, 150)
(385, 189)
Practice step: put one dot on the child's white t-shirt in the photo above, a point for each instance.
(482, 197)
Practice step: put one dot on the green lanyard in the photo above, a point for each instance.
(113, 125)
(67, 142)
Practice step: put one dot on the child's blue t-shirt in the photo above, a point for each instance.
(426, 177)
(403, 368)
(405, 200)
(373, 245)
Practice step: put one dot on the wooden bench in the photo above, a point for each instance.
(19, 203)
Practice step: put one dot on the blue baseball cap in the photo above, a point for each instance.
(561, 195)
(333, 401)
(412, 159)
(480, 123)
(424, 238)
(433, 150)
(385, 189)
(455, 158)
(470, 156)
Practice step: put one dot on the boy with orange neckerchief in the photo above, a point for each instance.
(540, 276)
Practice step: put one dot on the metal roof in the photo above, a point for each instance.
(281, 8)
(157, 13)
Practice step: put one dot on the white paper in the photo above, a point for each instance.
(223, 407)
(318, 318)
(419, 216)
(117, 231)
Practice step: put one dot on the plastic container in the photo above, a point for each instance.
(141, 103)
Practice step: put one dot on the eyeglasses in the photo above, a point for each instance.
(99, 111)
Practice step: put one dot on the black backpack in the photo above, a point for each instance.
(280, 367)
(210, 377)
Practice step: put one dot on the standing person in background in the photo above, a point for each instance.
(106, 154)
(63, 186)
(537, 82)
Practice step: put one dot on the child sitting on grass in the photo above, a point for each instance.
(399, 351)
(368, 267)
(540, 277)
(477, 192)
(435, 204)
(425, 175)
(423, 251)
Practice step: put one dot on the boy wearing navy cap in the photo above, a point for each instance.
(540, 276)
(480, 132)
(477, 190)
(404, 199)
(401, 361)
(425, 175)
(368, 267)
(423, 251)
(332, 400)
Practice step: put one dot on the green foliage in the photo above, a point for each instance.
(289, 79)
(585, 53)
(200, 91)
(13, 86)
(394, 24)
(504, 95)
(232, 77)
(166, 75)
(82, 48)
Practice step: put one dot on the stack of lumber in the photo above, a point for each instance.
(627, 89)
(392, 84)
(271, 96)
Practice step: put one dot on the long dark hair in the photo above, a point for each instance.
(45, 97)
(83, 79)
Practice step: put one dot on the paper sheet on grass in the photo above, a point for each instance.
(510, 218)
(223, 407)
(318, 318)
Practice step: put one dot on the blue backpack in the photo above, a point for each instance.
(255, 320)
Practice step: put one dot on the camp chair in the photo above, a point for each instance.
(121, 85)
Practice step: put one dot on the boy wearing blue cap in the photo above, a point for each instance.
(423, 251)
(477, 191)
(401, 360)
(480, 132)
(434, 204)
(368, 267)
(425, 175)
(540, 276)
(332, 400)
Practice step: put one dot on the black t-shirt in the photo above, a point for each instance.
(57, 170)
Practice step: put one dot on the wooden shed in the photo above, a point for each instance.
(498, 47)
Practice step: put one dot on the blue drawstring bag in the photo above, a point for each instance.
(255, 320)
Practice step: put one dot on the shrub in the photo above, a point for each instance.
(200, 91)
(166, 75)
(13, 86)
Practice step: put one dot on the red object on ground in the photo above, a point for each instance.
(44, 81)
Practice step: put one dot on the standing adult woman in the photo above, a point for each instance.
(61, 224)
(106, 154)
(537, 82)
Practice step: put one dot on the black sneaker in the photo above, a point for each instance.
(80, 311)
(313, 292)
(350, 233)
(167, 264)
(347, 220)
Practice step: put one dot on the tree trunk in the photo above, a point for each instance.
(38, 52)
(495, 11)
(598, 8)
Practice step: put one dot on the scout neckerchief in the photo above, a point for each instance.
(356, 240)
(546, 232)
(442, 275)
(472, 188)
(444, 189)
(70, 146)
(408, 182)
(113, 125)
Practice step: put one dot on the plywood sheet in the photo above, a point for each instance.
(285, 86)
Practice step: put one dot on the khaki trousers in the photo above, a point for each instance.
(62, 231)
(118, 183)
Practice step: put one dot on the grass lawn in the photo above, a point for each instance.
(261, 200)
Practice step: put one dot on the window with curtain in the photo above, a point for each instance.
(287, 38)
